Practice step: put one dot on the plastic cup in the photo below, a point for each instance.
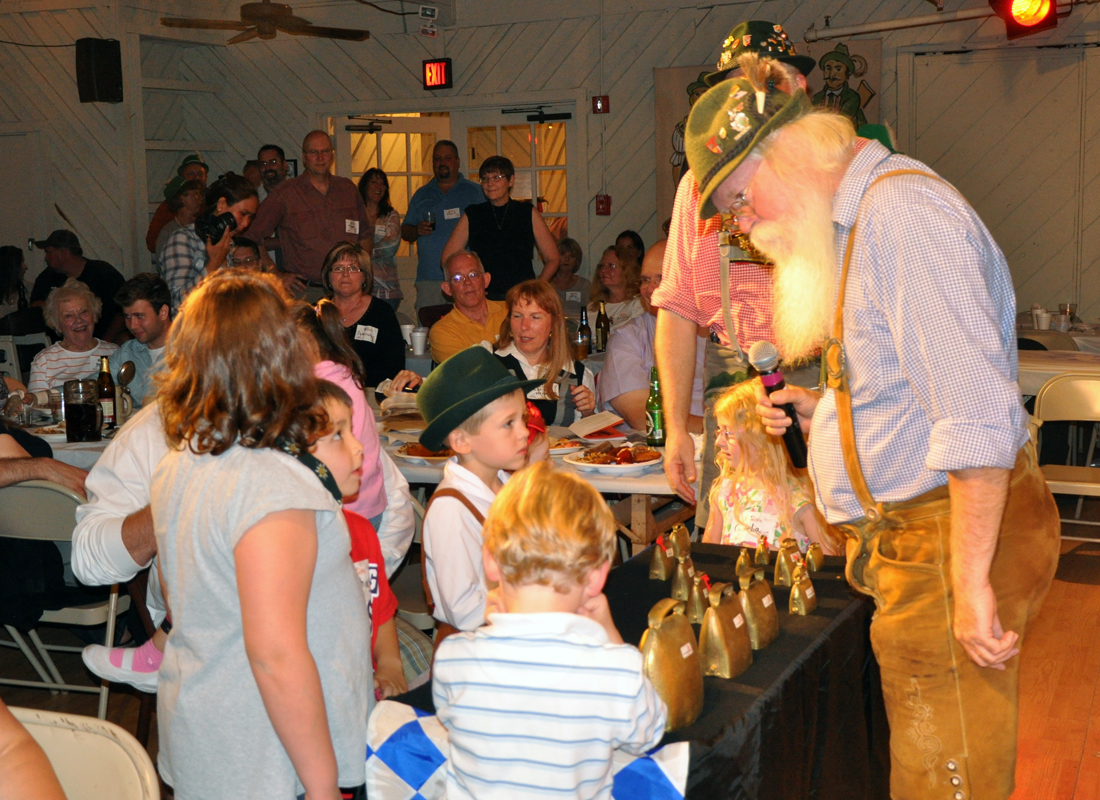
(406, 331)
(420, 341)
(1059, 322)
(1042, 321)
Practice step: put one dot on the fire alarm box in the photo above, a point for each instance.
(603, 205)
(601, 104)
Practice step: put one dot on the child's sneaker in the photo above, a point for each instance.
(136, 666)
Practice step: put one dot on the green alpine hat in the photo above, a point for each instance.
(460, 387)
(838, 53)
(733, 117)
(194, 158)
(766, 39)
(172, 188)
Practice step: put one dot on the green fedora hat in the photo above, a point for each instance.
(460, 387)
(172, 188)
(194, 158)
(733, 117)
(839, 53)
(766, 39)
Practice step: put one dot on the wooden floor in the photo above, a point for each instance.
(1059, 750)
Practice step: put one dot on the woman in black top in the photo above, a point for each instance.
(372, 327)
(503, 232)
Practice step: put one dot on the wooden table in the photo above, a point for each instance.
(1039, 366)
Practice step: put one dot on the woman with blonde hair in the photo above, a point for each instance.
(534, 344)
(755, 494)
(265, 687)
(72, 310)
(617, 286)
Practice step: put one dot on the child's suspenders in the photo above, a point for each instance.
(444, 629)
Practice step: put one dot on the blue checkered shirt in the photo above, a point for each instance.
(930, 339)
(182, 263)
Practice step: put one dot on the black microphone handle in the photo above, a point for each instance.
(792, 437)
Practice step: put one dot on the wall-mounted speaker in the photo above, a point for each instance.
(99, 70)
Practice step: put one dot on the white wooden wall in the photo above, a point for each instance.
(507, 50)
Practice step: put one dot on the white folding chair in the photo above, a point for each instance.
(46, 511)
(9, 359)
(93, 759)
(1070, 397)
(408, 584)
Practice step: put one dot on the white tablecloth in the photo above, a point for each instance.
(83, 454)
(1087, 342)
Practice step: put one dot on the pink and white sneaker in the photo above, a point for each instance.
(136, 666)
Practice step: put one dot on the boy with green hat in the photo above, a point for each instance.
(473, 405)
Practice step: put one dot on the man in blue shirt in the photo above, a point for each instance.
(144, 300)
(446, 197)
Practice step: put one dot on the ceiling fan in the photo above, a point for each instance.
(264, 20)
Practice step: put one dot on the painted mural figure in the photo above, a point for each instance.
(838, 67)
(695, 90)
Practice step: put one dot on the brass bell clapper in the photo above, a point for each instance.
(724, 646)
(757, 601)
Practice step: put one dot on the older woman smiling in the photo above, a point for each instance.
(71, 310)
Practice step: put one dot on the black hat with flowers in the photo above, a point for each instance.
(766, 39)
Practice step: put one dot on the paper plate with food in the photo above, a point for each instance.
(560, 445)
(51, 433)
(609, 459)
(416, 453)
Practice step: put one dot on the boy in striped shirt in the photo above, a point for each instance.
(536, 701)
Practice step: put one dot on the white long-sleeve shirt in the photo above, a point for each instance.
(119, 484)
(452, 549)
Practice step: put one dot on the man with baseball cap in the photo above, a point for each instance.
(712, 281)
(64, 260)
(193, 168)
(930, 474)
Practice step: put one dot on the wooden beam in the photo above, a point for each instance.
(182, 146)
(161, 85)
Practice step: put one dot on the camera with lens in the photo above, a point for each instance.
(212, 228)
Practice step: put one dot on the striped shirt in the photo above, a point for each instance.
(182, 263)
(55, 365)
(535, 704)
(929, 336)
(690, 284)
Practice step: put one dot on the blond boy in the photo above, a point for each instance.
(477, 408)
(536, 701)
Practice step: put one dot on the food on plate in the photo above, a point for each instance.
(417, 450)
(622, 454)
(54, 430)
(562, 444)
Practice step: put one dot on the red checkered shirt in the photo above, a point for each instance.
(690, 284)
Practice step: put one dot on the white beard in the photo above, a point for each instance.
(803, 247)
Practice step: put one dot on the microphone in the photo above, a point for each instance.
(765, 357)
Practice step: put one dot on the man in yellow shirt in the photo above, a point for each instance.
(474, 319)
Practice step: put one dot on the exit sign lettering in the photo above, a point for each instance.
(437, 74)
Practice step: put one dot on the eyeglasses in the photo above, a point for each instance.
(729, 434)
(492, 178)
(472, 275)
(602, 265)
(739, 201)
(249, 261)
(347, 270)
(315, 153)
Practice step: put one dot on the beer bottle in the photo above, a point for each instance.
(654, 414)
(603, 329)
(582, 342)
(106, 387)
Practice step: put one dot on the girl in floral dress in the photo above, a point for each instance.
(755, 494)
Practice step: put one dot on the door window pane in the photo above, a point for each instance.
(420, 151)
(399, 193)
(393, 153)
(515, 144)
(552, 191)
(550, 144)
(364, 152)
(482, 143)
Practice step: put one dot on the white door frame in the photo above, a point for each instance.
(33, 190)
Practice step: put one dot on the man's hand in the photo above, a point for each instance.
(292, 283)
(424, 229)
(680, 463)
(776, 421)
(405, 379)
(979, 630)
(60, 472)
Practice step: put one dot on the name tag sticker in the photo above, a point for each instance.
(379, 231)
(810, 591)
(351, 226)
(691, 571)
(451, 213)
(366, 333)
(767, 601)
(686, 650)
(572, 297)
(738, 621)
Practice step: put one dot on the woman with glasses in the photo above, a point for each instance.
(372, 327)
(374, 187)
(504, 232)
(618, 278)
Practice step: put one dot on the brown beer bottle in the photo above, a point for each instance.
(106, 386)
(603, 329)
(583, 340)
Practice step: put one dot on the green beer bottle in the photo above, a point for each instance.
(654, 415)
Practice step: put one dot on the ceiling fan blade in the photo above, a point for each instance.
(291, 22)
(252, 33)
(347, 34)
(210, 24)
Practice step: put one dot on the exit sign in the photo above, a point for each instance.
(437, 74)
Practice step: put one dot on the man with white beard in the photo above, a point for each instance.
(918, 447)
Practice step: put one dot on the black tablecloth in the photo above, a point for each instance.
(806, 720)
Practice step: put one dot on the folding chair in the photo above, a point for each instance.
(46, 511)
(1051, 340)
(93, 759)
(1069, 397)
(9, 359)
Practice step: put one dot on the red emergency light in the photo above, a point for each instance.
(1025, 17)
(437, 74)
